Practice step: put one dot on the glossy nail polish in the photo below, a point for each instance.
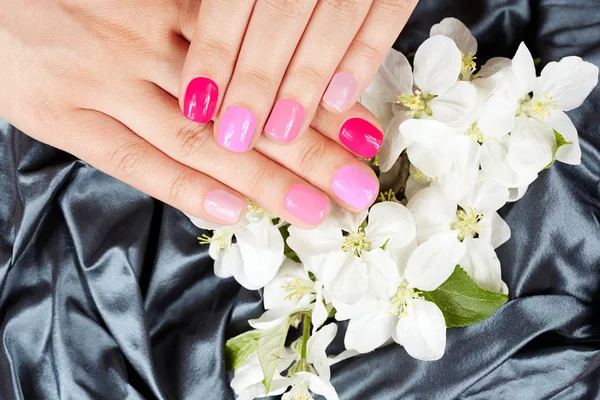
(355, 187)
(361, 137)
(306, 204)
(224, 206)
(285, 120)
(200, 100)
(237, 128)
(341, 91)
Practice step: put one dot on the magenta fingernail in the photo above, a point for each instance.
(224, 206)
(361, 137)
(285, 120)
(201, 100)
(341, 91)
(306, 204)
(355, 187)
(237, 128)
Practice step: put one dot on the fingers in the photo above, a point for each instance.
(160, 122)
(275, 27)
(212, 56)
(332, 28)
(111, 147)
(366, 53)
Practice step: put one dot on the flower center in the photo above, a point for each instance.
(299, 392)
(416, 104)
(468, 223)
(475, 133)
(400, 300)
(221, 237)
(296, 288)
(542, 106)
(469, 66)
(356, 242)
(257, 211)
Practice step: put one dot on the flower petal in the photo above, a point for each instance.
(229, 262)
(271, 318)
(400, 255)
(455, 103)
(202, 224)
(487, 196)
(516, 193)
(568, 153)
(494, 162)
(393, 78)
(370, 331)
(532, 146)
(438, 63)
(457, 31)
(344, 219)
(497, 118)
(422, 331)
(482, 264)
(274, 294)
(493, 66)
(384, 277)
(432, 161)
(496, 231)
(319, 386)
(433, 212)
(461, 177)
(432, 263)
(316, 346)
(321, 240)
(345, 277)
(319, 313)
(524, 68)
(389, 220)
(394, 143)
(568, 82)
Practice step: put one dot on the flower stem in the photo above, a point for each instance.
(305, 335)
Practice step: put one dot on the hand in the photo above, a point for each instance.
(101, 82)
(265, 64)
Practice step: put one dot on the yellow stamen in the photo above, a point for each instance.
(468, 223)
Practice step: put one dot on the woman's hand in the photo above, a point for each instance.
(257, 65)
(100, 79)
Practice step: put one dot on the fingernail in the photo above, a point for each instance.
(224, 206)
(200, 100)
(285, 120)
(341, 91)
(236, 129)
(361, 137)
(306, 204)
(355, 187)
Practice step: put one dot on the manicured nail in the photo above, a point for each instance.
(341, 91)
(355, 187)
(285, 120)
(236, 129)
(306, 204)
(224, 206)
(201, 100)
(361, 137)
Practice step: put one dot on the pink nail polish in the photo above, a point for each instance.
(355, 187)
(200, 100)
(285, 120)
(341, 91)
(361, 137)
(306, 204)
(236, 129)
(224, 206)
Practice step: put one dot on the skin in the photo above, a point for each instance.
(101, 81)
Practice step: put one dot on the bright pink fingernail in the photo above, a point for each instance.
(361, 137)
(355, 187)
(236, 129)
(224, 206)
(200, 100)
(285, 120)
(341, 91)
(306, 204)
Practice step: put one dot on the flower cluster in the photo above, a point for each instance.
(404, 271)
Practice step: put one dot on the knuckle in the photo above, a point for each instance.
(191, 139)
(213, 49)
(312, 74)
(398, 7)
(369, 53)
(312, 154)
(345, 8)
(286, 8)
(179, 190)
(261, 177)
(129, 159)
(258, 79)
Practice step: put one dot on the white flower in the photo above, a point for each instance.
(355, 263)
(247, 379)
(405, 317)
(465, 233)
(255, 257)
(532, 108)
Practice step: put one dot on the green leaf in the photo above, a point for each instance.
(287, 250)
(463, 302)
(239, 348)
(560, 142)
(270, 345)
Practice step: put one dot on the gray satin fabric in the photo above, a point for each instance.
(105, 293)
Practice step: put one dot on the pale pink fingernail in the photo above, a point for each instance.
(306, 204)
(285, 120)
(224, 206)
(341, 91)
(237, 128)
(355, 187)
